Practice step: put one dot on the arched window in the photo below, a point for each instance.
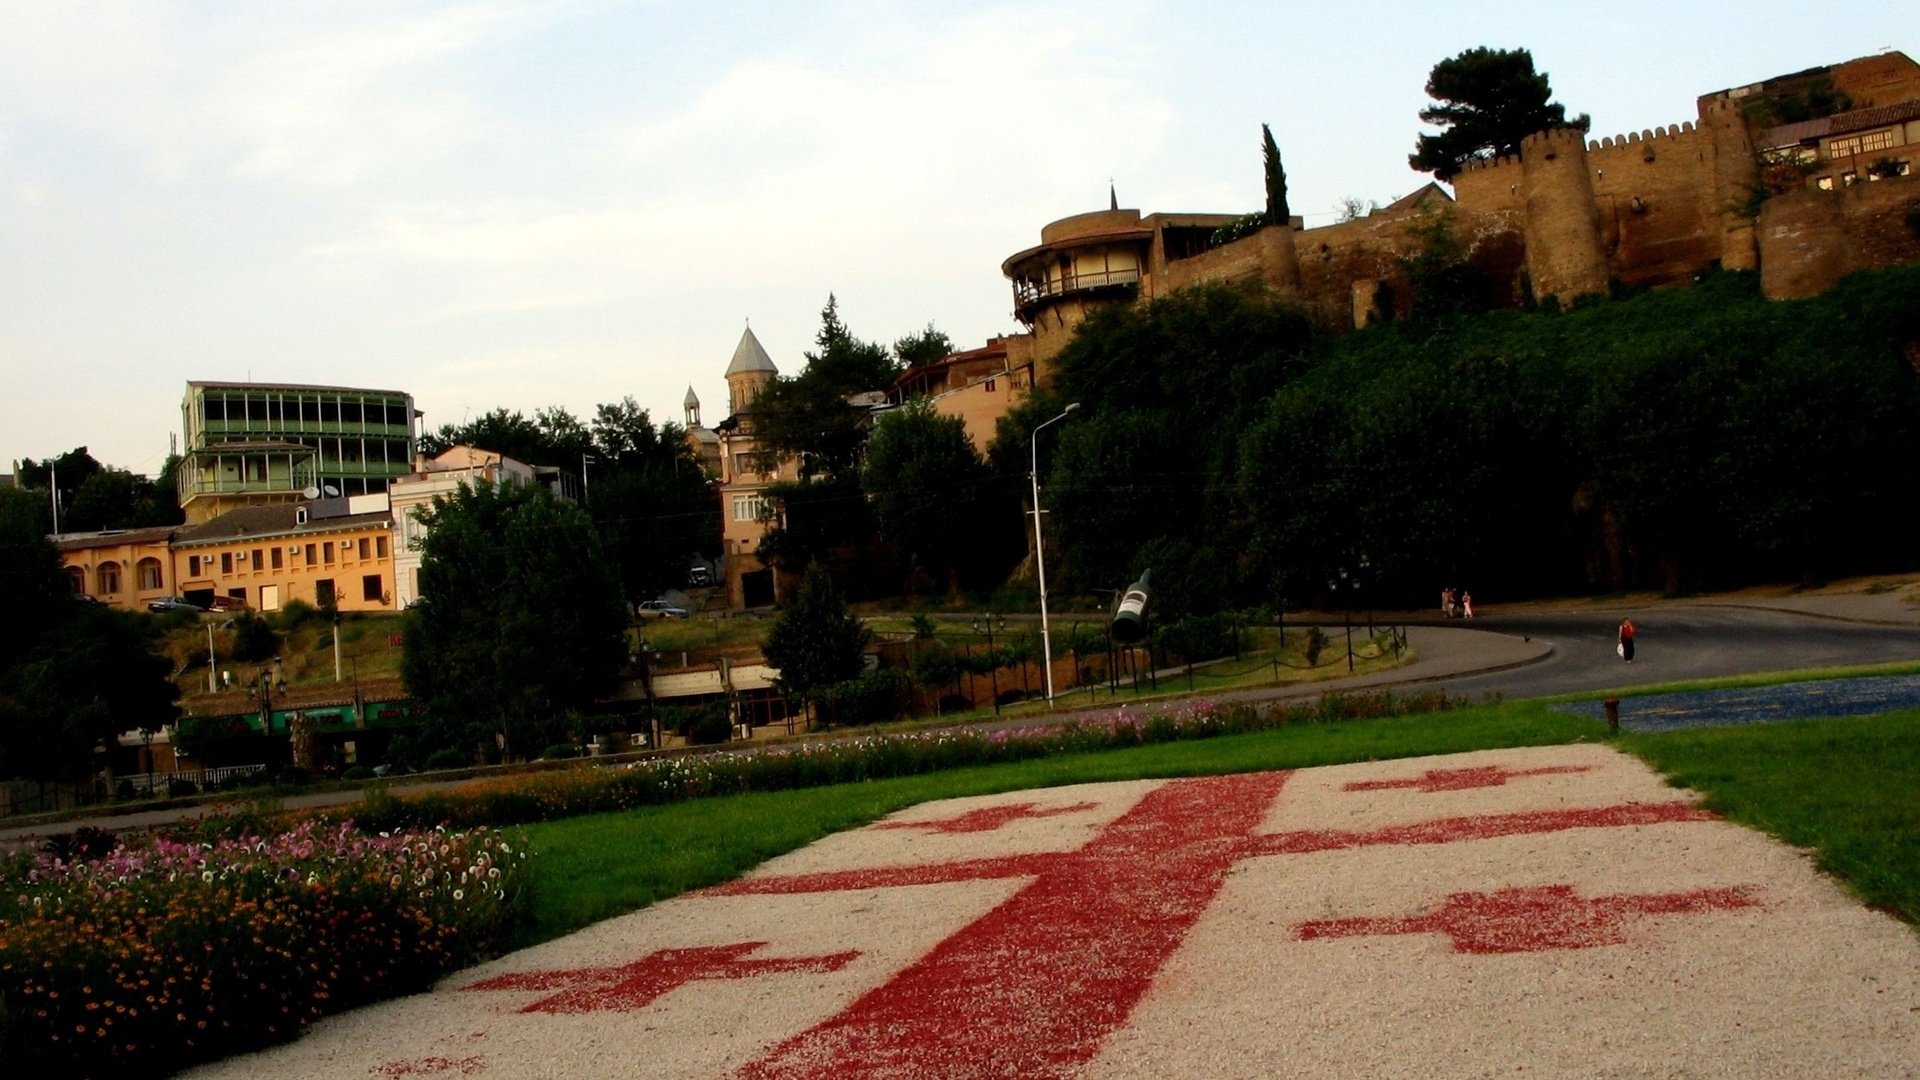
(107, 577)
(77, 580)
(149, 574)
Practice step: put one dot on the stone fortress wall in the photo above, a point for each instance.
(1568, 216)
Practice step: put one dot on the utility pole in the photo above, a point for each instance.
(53, 491)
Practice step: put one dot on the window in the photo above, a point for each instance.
(364, 546)
(309, 554)
(259, 560)
(326, 552)
(380, 546)
(1863, 144)
(1825, 183)
(226, 562)
(743, 463)
(193, 566)
(749, 507)
(107, 577)
(323, 593)
(276, 557)
(150, 576)
(370, 589)
(77, 580)
(989, 386)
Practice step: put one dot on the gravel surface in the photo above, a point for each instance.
(1545, 912)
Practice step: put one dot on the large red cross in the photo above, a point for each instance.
(1032, 988)
(635, 985)
(1477, 776)
(1532, 919)
(988, 818)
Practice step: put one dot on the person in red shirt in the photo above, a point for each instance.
(1626, 639)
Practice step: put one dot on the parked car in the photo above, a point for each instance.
(661, 609)
(699, 575)
(228, 603)
(174, 603)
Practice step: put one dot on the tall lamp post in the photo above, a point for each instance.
(1345, 588)
(1040, 546)
(269, 682)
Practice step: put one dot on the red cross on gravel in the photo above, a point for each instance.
(635, 985)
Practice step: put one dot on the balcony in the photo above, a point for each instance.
(1030, 294)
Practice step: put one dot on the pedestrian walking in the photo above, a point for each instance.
(1446, 603)
(1625, 647)
(1466, 604)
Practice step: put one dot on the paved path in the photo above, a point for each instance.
(1526, 651)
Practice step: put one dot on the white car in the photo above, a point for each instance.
(661, 609)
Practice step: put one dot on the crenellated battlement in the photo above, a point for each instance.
(1489, 164)
(1673, 131)
(1553, 139)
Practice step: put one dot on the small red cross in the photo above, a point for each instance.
(634, 986)
(1461, 779)
(988, 818)
(1532, 919)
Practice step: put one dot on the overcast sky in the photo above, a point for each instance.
(566, 202)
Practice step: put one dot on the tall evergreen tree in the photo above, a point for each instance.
(1278, 213)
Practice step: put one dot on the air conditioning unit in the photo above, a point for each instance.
(293, 549)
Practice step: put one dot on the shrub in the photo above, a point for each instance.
(84, 844)
(178, 787)
(870, 699)
(708, 729)
(253, 639)
(560, 752)
(448, 758)
(357, 772)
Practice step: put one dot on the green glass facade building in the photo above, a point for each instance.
(253, 444)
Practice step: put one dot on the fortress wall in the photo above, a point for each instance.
(1566, 254)
(1238, 261)
(1657, 225)
(1341, 264)
(1490, 187)
(1810, 239)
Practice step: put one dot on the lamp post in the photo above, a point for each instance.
(1344, 588)
(266, 685)
(1040, 546)
(586, 496)
(994, 672)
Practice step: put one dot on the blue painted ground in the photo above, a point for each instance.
(1759, 704)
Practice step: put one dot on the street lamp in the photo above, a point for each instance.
(266, 685)
(1344, 588)
(994, 672)
(1040, 546)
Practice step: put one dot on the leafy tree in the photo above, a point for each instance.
(1489, 100)
(501, 431)
(808, 416)
(929, 346)
(926, 485)
(521, 623)
(117, 499)
(73, 469)
(651, 504)
(253, 639)
(94, 674)
(815, 641)
(71, 674)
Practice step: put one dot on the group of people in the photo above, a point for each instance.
(1456, 603)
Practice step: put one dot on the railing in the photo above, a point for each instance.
(149, 783)
(1028, 292)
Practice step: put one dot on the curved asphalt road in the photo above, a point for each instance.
(1679, 641)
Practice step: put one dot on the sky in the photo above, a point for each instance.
(516, 204)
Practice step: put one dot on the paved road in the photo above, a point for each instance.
(1681, 641)
(1517, 654)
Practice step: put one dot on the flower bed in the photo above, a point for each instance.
(162, 953)
(551, 795)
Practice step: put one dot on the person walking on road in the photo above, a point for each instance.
(1625, 648)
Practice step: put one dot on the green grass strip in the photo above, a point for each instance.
(1848, 788)
(595, 867)
(1737, 682)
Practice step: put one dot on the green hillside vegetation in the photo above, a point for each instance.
(1682, 439)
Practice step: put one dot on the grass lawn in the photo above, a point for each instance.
(592, 868)
(1762, 678)
(1844, 787)
(1848, 788)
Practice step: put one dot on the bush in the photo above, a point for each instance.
(357, 772)
(84, 844)
(253, 639)
(560, 752)
(709, 729)
(869, 699)
(296, 613)
(178, 787)
(448, 758)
